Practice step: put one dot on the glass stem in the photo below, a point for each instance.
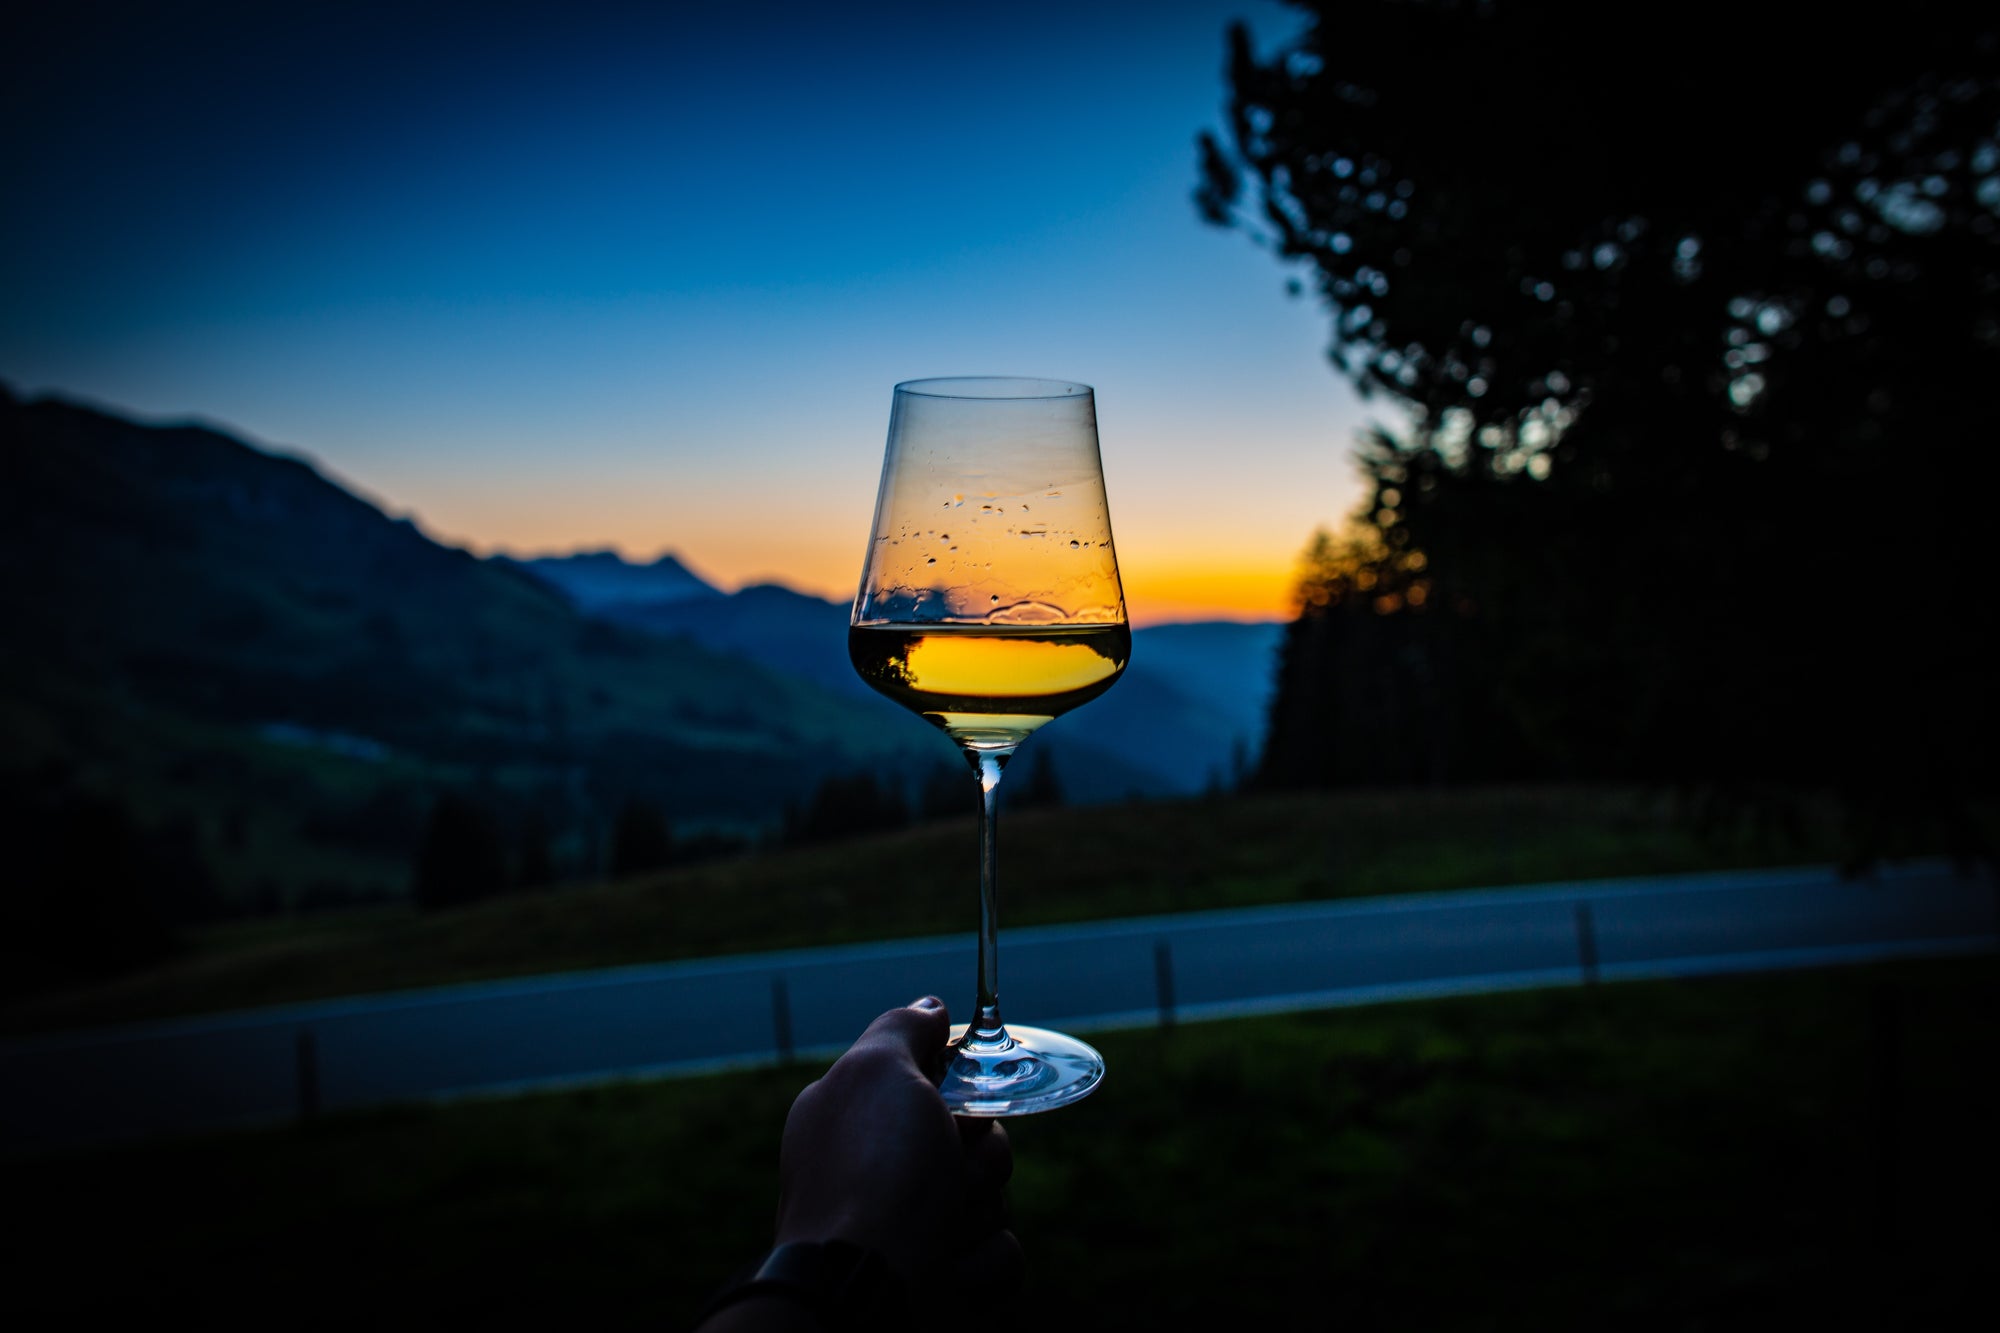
(985, 1028)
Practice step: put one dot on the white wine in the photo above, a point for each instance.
(990, 685)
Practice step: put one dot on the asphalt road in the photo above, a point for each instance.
(272, 1064)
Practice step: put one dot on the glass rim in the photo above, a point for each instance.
(997, 387)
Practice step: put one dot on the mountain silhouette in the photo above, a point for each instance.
(275, 679)
(1190, 730)
(1189, 710)
(790, 631)
(597, 580)
(224, 638)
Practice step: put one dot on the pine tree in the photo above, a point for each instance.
(463, 857)
(1039, 788)
(642, 840)
(1699, 452)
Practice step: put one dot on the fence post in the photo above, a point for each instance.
(1163, 981)
(1586, 944)
(781, 1019)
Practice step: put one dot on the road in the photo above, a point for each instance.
(271, 1064)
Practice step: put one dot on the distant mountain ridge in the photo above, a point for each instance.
(597, 580)
(161, 548)
(789, 631)
(189, 618)
(251, 657)
(1188, 713)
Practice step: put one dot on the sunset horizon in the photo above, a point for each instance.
(1165, 594)
(731, 547)
(647, 280)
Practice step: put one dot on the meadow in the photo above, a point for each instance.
(1717, 1153)
(1760, 1152)
(1069, 864)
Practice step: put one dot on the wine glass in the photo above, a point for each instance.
(989, 605)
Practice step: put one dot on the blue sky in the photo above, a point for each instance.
(644, 276)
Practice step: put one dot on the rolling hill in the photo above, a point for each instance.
(275, 683)
(1187, 712)
(224, 640)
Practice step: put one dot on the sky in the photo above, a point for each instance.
(644, 276)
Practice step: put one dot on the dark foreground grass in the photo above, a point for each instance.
(1770, 1152)
(1056, 865)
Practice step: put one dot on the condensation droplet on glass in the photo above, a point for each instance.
(944, 536)
(994, 598)
(931, 561)
(1074, 545)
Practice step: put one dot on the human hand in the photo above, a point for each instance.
(872, 1155)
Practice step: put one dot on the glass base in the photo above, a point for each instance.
(1032, 1070)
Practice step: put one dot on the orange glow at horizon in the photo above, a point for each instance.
(1243, 575)
(1211, 506)
(1156, 592)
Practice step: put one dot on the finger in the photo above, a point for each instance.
(981, 1211)
(996, 1263)
(916, 1032)
(989, 1156)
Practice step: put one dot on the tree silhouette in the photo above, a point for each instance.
(533, 868)
(463, 857)
(90, 892)
(1694, 343)
(1039, 788)
(948, 791)
(641, 840)
(845, 805)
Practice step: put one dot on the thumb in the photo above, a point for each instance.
(916, 1032)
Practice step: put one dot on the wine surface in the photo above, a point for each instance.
(989, 685)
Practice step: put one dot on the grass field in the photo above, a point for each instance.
(1056, 865)
(1766, 1152)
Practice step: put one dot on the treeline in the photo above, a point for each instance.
(471, 852)
(92, 889)
(97, 889)
(857, 803)
(1699, 443)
